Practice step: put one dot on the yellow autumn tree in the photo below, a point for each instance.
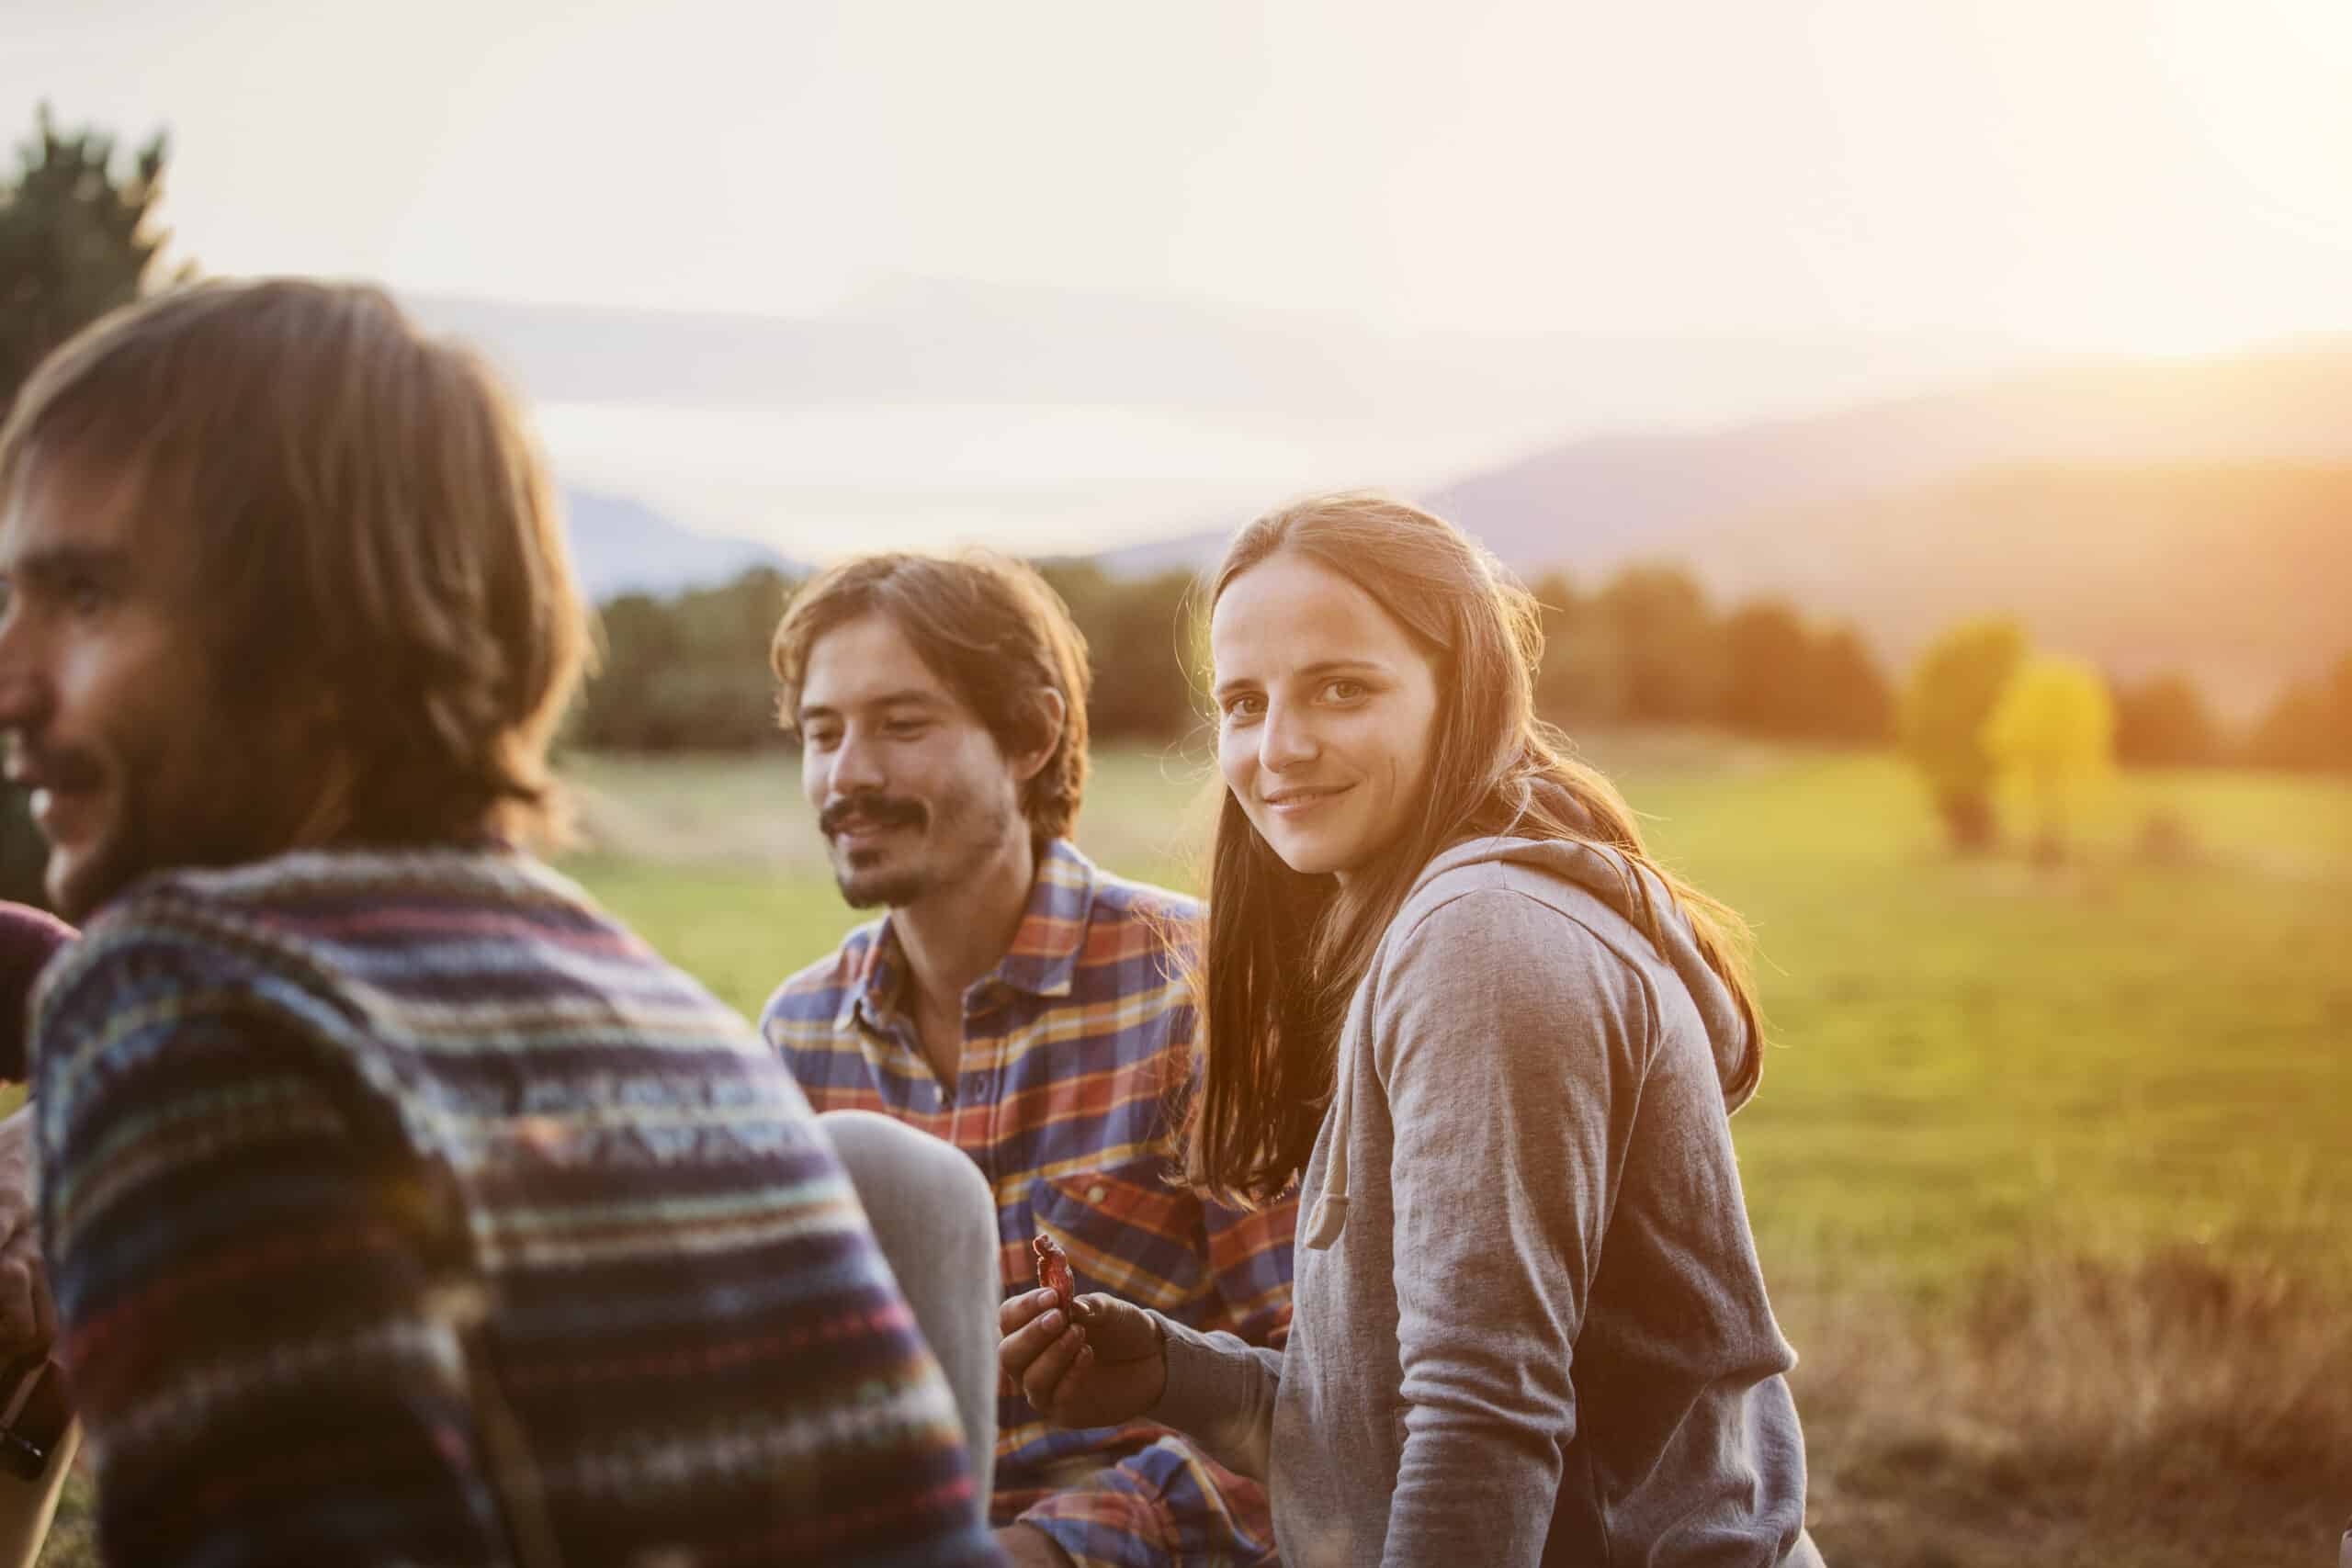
(2054, 730)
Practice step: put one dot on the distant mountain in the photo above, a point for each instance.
(620, 546)
(2238, 573)
(1592, 505)
(2188, 515)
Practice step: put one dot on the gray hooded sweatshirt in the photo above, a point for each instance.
(1528, 1322)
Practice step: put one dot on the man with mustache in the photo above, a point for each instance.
(1019, 1002)
(399, 1206)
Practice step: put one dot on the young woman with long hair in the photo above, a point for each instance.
(1448, 994)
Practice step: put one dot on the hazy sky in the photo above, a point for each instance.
(1952, 179)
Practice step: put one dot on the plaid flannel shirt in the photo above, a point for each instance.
(1063, 1097)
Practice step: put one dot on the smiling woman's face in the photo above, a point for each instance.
(1326, 709)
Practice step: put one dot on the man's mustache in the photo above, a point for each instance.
(882, 810)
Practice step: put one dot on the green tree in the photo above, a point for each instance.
(1139, 634)
(77, 238)
(2054, 729)
(1581, 677)
(689, 672)
(2310, 724)
(1952, 691)
(1669, 642)
(1767, 670)
(1143, 659)
(1852, 699)
(2165, 721)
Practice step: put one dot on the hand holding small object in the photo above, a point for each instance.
(1091, 1360)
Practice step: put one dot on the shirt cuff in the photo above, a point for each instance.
(1213, 1379)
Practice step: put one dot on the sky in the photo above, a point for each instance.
(1831, 200)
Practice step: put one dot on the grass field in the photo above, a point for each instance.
(2050, 1171)
(1967, 1056)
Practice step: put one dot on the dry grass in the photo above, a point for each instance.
(2186, 1408)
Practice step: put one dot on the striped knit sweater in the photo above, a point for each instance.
(405, 1208)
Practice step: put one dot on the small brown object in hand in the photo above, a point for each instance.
(1053, 1270)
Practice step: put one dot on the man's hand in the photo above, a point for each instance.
(1105, 1369)
(28, 1317)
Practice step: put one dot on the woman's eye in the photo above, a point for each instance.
(1244, 708)
(1345, 690)
(903, 729)
(84, 598)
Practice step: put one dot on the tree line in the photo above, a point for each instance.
(1645, 647)
(690, 672)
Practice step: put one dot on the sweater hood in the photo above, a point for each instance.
(1606, 875)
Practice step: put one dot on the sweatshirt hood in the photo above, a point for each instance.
(1608, 875)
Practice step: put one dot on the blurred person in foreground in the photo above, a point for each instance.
(29, 939)
(1021, 1003)
(36, 1452)
(399, 1206)
(1449, 994)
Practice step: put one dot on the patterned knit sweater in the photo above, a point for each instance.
(405, 1208)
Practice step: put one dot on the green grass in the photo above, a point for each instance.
(1969, 1055)
(1966, 1055)
(2048, 1170)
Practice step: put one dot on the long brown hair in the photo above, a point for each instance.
(369, 520)
(1284, 951)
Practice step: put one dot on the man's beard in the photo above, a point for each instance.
(227, 805)
(945, 849)
(867, 887)
(882, 890)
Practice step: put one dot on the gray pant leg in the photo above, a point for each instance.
(932, 1210)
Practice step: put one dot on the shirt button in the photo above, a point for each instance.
(1096, 1194)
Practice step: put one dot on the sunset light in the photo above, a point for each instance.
(1340, 783)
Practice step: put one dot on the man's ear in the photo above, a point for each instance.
(1052, 714)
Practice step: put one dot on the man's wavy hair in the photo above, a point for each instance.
(372, 530)
(991, 628)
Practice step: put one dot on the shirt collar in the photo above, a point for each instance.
(1043, 958)
(1042, 961)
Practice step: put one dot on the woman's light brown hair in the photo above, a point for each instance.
(373, 532)
(1284, 951)
(993, 631)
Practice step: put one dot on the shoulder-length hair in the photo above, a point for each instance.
(995, 633)
(369, 523)
(1284, 951)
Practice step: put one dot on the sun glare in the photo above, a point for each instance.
(2263, 85)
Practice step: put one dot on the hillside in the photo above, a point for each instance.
(1593, 503)
(621, 545)
(2189, 514)
(2238, 573)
